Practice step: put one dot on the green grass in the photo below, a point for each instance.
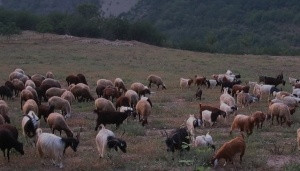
(171, 107)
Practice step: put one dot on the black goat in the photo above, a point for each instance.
(9, 141)
(178, 140)
(109, 117)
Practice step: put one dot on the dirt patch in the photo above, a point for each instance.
(278, 161)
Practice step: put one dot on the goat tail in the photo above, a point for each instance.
(39, 131)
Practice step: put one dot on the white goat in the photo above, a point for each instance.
(191, 123)
(54, 146)
(204, 141)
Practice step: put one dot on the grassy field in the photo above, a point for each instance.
(271, 148)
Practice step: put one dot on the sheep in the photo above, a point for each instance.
(211, 117)
(72, 79)
(298, 138)
(37, 79)
(143, 109)
(104, 83)
(227, 109)
(61, 104)
(177, 140)
(133, 97)
(106, 139)
(204, 141)
(67, 95)
(6, 91)
(10, 85)
(48, 83)
(82, 78)
(30, 105)
(140, 89)
(49, 74)
(259, 118)
(156, 80)
(102, 104)
(30, 123)
(280, 110)
(85, 96)
(245, 99)
(99, 90)
(25, 95)
(281, 94)
(191, 123)
(244, 123)
(120, 84)
(122, 101)
(18, 85)
(229, 149)
(212, 83)
(111, 92)
(30, 83)
(198, 93)
(45, 110)
(19, 70)
(185, 82)
(8, 140)
(15, 75)
(54, 146)
(200, 80)
(34, 93)
(111, 117)
(57, 122)
(54, 91)
(81, 92)
(2, 120)
(4, 111)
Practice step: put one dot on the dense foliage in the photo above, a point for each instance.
(225, 26)
(85, 21)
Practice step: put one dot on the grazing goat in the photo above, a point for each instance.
(199, 81)
(30, 123)
(185, 82)
(280, 110)
(54, 146)
(229, 149)
(191, 123)
(211, 117)
(245, 99)
(210, 108)
(205, 141)
(106, 139)
(212, 83)
(177, 140)
(259, 118)
(8, 140)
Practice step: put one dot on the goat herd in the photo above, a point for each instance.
(33, 90)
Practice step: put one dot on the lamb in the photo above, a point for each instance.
(49, 74)
(30, 123)
(143, 109)
(67, 95)
(244, 123)
(30, 105)
(227, 109)
(229, 149)
(280, 110)
(4, 111)
(61, 104)
(120, 84)
(57, 122)
(191, 123)
(140, 89)
(45, 110)
(259, 118)
(102, 104)
(156, 80)
(245, 99)
(9, 141)
(106, 139)
(54, 146)
(111, 117)
(204, 141)
(133, 97)
(185, 82)
(54, 91)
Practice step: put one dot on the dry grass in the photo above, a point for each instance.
(133, 61)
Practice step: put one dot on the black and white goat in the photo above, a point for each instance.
(54, 146)
(106, 139)
(178, 140)
(30, 123)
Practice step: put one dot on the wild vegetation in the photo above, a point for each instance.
(271, 148)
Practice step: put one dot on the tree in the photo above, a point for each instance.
(9, 29)
(44, 27)
(88, 11)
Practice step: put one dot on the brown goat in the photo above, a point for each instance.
(244, 123)
(238, 88)
(199, 80)
(259, 118)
